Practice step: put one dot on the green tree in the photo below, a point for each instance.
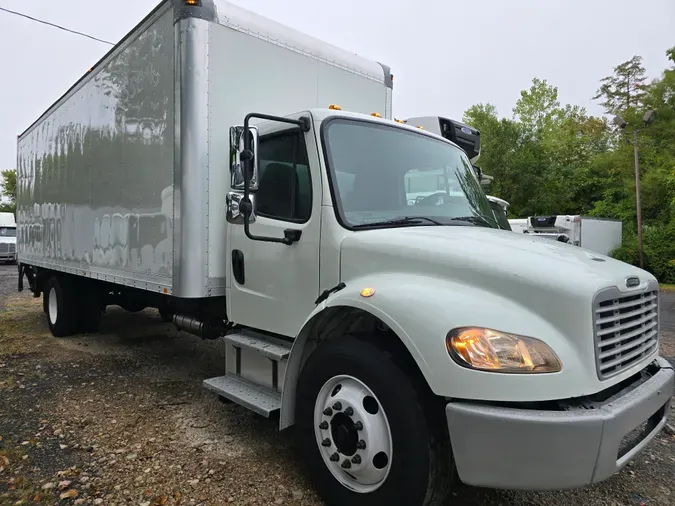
(8, 190)
(625, 89)
(551, 158)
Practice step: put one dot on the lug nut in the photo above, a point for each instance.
(349, 411)
(358, 426)
(346, 464)
(323, 425)
(335, 457)
(337, 406)
(326, 442)
(361, 445)
(327, 411)
(356, 459)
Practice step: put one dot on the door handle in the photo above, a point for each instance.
(238, 266)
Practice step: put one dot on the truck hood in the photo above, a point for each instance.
(496, 260)
(10, 240)
(432, 279)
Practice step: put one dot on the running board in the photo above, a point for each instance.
(255, 369)
(259, 399)
(274, 349)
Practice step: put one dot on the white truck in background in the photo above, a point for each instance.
(409, 340)
(600, 235)
(7, 237)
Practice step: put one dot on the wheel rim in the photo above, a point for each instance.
(52, 306)
(353, 434)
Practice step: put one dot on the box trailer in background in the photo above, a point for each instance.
(351, 265)
(600, 235)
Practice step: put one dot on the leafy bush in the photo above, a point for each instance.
(659, 251)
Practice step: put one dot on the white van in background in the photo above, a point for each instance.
(7, 237)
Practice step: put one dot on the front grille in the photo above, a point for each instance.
(626, 329)
(6, 247)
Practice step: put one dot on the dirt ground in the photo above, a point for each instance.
(121, 418)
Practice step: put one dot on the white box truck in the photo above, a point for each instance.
(7, 237)
(197, 169)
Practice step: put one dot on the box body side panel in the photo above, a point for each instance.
(95, 174)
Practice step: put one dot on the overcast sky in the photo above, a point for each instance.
(445, 55)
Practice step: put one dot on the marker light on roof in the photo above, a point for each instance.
(334, 107)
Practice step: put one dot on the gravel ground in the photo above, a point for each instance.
(121, 418)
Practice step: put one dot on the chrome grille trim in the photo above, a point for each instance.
(625, 328)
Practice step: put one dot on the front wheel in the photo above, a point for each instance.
(369, 434)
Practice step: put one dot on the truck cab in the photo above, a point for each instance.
(415, 276)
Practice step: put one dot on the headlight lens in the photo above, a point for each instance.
(491, 350)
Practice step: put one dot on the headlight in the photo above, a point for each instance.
(491, 350)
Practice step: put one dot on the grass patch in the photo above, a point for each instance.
(20, 324)
(667, 288)
(18, 488)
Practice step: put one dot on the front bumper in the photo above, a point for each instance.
(7, 257)
(506, 447)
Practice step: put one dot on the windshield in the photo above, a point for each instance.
(7, 232)
(384, 173)
(500, 215)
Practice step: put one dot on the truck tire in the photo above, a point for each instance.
(370, 433)
(61, 306)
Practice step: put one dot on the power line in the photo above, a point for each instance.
(55, 26)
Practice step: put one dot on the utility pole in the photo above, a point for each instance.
(648, 119)
(637, 197)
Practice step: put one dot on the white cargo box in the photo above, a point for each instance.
(125, 177)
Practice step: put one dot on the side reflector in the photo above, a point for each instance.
(367, 292)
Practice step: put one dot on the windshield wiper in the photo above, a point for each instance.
(406, 220)
(476, 220)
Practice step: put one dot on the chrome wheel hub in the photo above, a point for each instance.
(353, 434)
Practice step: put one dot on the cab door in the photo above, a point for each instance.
(273, 286)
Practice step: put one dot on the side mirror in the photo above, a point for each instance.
(236, 161)
(478, 171)
(233, 205)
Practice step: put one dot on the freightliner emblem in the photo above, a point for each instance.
(632, 281)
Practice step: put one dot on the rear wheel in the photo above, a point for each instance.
(370, 437)
(61, 306)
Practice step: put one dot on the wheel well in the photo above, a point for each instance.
(333, 323)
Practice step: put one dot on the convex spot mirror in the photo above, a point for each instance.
(237, 160)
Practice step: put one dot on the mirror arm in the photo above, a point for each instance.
(247, 158)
